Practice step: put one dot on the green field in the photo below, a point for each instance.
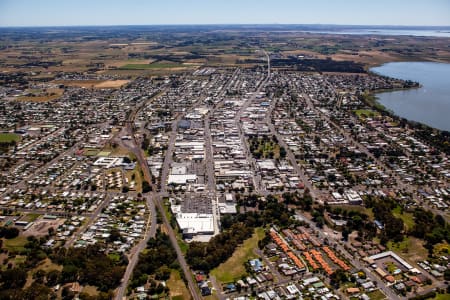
(90, 152)
(234, 267)
(9, 137)
(442, 297)
(103, 153)
(150, 66)
(30, 217)
(376, 295)
(366, 113)
(407, 218)
(16, 244)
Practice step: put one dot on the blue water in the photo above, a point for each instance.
(429, 104)
(411, 32)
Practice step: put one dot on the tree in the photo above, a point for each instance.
(146, 187)
(13, 278)
(162, 273)
(339, 276)
(53, 277)
(69, 273)
(51, 231)
(39, 291)
(9, 232)
(114, 235)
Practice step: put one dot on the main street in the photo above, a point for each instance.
(159, 202)
(134, 148)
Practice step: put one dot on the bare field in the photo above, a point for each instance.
(100, 84)
(119, 63)
(111, 84)
(42, 96)
(40, 227)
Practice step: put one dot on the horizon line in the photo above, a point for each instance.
(223, 24)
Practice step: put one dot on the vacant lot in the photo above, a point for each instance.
(177, 287)
(111, 84)
(410, 248)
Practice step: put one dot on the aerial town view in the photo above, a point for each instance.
(224, 150)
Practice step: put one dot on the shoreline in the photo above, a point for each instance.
(375, 95)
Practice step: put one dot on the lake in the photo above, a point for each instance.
(411, 32)
(429, 104)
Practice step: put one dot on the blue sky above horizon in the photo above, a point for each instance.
(152, 12)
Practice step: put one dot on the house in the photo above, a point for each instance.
(256, 265)
(352, 290)
(206, 291)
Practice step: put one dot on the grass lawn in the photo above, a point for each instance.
(366, 113)
(9, 137)
(234, 267)
(391, 267)
(411, 248)
(30, 217)
(442, 297)
(114, 256)
(376, 295)
(90, 152)
(183, 246)
(16, 244)
(360, 209)
(19, 259)
(103, 154)
(177, 287)
(407, 218)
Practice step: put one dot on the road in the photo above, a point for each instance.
(134, 147)
(209, 156)
(289, 154)
(159, 203)
(256, 178)
(91, 220)
(211, 179)
(157, 198)
(133, 257)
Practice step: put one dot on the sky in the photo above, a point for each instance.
(150, 12)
